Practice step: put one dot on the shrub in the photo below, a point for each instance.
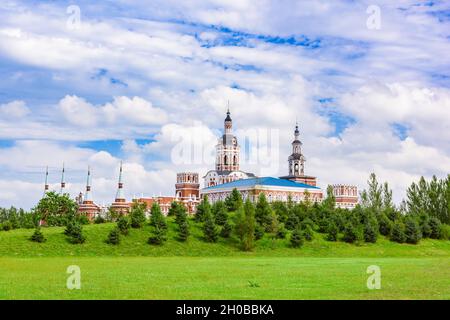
(333, 231)
(281, 232)
(99, 219)
(114, 236)
(158, 235)
(137, 216)
(351, 233)
(123, 224)
(308, 232)
(210, 231)
(38, 236)
(370, 232)
(7, 225)
(398, 232)
(296, 238)
(183, 231)
(82, 219)
(259, 231)
(425, 228)
(75, 233)
(202, 208)
(412, 231)
(220, 213)
(435, 226)
(157, 219)
(384, 225)
(245, 225)
(445, 231)
(225, 232)
(292, 222)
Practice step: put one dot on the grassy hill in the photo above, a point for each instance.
(16, 243)
(198, 270)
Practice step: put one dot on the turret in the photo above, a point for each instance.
(63, 183)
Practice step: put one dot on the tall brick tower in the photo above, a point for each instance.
(187, 190)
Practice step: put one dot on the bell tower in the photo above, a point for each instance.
(296, 159)
(297, 162)
(227, 149)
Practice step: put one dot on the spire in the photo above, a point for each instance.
(228, 118)
(63, 183)
(88, 195)
(46, 182)
(119, 194)
(296, 132)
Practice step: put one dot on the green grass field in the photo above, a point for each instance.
(199, 270)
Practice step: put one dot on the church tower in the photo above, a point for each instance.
(46, 182)
(87, 206)
(296, 159)
(227, 150)
(296, 162)
(120, 204)
(63, 182)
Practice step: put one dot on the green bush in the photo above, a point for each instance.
(435, 226)
(7, 225)
(398, 232)
(210, 230)
(226, 230)
(297, 239)
(99, 219)
(82, 219)
(183, 231)
(137, 216)
(259, 231)
(281, 232)
(445, 231)
(384, 225)
(114, 236)
(38, 236)
(412, 231)
(74, 231)
(158, 235)
(308, 232)
(352, 233)
(332, 232)
(123, 224)
(370, 233)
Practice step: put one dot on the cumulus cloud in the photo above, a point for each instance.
(14, 110)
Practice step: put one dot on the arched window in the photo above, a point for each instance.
(225, 159)
(235, 160)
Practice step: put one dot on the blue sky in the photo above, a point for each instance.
(131, 81)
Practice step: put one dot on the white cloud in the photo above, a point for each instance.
(14, 110)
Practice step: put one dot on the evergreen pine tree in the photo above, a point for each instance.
(202, 208)
(245, 225)
(210, 230)
(263, 212)
(123, 224)
(220, 213)
(296, 238)
(234, 200)
(332, 232)
(351, 233)
(137, 215)
(281, 232)
(259, 232)
(292, 222)
(226, 230)
(398, 232)
(158, 235)
(38, 236)
(307, 231)
(384, 225)
(114, 236)
(412, 231)
(370, 232)
(435, 226)
(75, 235)
(157, 219)
(183, 231)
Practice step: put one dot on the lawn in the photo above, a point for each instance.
(199, 270)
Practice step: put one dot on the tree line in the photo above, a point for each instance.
(425, 213)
